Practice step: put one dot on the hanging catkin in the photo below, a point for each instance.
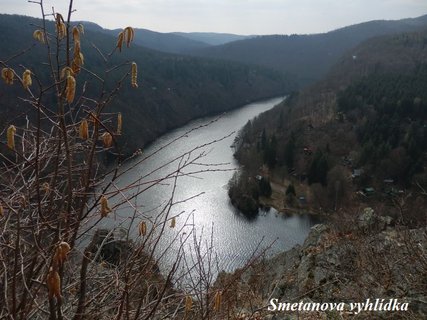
(142, 228)
(107, 139)
(105, 208)
(53, 282)
(26, 79)
(134, 74)
(84, 130)
(70, 89)
(119, 123)
(11, 137)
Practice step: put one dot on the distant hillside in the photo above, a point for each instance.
(166, 42)
(212, 38)
(368, 118)
(173, 42)
(172, 89)
(307, 57)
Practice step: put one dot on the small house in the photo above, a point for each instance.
(368, 191)
(356, 173)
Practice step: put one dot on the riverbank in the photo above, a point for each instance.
(235, 237)
(277, 200)
(134, 147)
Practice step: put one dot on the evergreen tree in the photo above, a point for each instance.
(290, 190)
(318, 170)
(290, 151)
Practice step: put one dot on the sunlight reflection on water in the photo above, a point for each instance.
(234, 236)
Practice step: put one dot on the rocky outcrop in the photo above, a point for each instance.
(372, 260)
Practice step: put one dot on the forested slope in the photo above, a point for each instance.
(172, 89)
(307, 57)
(367, 118)
(165, 42)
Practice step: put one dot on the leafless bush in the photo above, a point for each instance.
(54, 192)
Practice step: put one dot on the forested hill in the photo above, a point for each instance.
(212, 38)
(172, 89)
(368, 118)
(173, 42)
(165, 42)
(307, 57)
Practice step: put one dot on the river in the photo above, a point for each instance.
(208, 210)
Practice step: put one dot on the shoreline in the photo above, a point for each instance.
(170, 130)
(276, 201)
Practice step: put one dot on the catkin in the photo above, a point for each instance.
(120, 39)
(173, 222)
(188, 303)
(26, 79)
(105, 209)
(129, 33)
(81, 28)
(61, 30)
(75, 67)
(61, 253)
(38, 35)
(76, 49)
(127, 36)
(217, 300)
(65, 72)
(107, 139)
(84, 130)
(11, 137)
(79, 59)
(119, 123)
(53, 282)
(76, 34)
(46, 187)
(70, 89)
(134, 74)
(142, 228)
(1, 210)
(8, 75)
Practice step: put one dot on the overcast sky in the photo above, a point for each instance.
(232, 16)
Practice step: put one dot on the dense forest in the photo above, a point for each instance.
(389, 113)
(307, 57)
(359, 135)
(173, 89)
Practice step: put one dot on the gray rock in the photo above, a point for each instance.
(315, 234)
(367, 219)
(305, 272)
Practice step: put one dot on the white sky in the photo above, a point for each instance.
(232, 16)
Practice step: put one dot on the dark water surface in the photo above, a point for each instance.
(233, 236)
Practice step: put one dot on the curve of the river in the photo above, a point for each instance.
(234, 237)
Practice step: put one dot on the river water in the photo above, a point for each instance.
(200, 199)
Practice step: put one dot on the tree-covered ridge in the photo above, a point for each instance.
(308, 57)
(390, 116)
(165, 42)
(361, 129)
(173, 89)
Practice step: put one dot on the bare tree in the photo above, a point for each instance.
(54, 192)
